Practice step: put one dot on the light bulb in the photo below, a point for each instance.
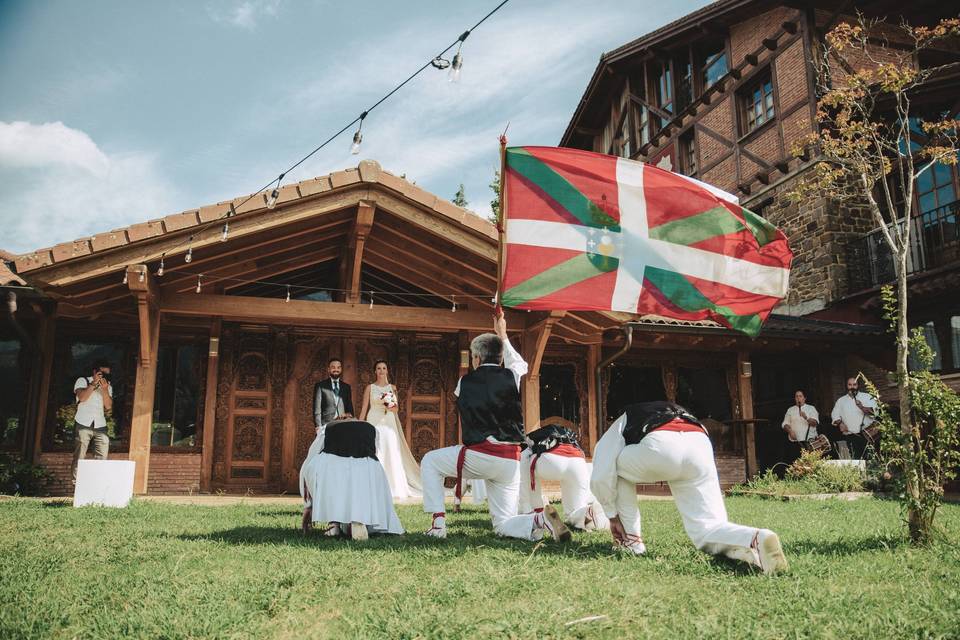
(189, 257)
(453, 309)
(226, 231)
(454, 74)
(274, 196)
(371, 299)
(198, 283)
(160, 269)
(124, 277)
(288, 294)
(143, 274)
(357, 139)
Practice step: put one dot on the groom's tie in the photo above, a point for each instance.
(336, 392)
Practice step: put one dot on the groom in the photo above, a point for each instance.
(332, 397)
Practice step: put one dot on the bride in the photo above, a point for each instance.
(380, 407)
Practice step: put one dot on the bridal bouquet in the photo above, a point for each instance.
(389, 399)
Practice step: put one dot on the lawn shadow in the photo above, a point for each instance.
(846, 546)
(294, 511)
(57, 504)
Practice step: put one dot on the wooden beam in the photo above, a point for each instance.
(745, 390)
(46, 340)
(340, 314)
(144, 288)
(141, 420)
(593, 395)
(534, 344)
(351, 261)
(210, 405)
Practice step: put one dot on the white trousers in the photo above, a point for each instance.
(685, 461)
(574, 477)
(502, 480)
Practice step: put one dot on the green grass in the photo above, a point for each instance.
(166, 571)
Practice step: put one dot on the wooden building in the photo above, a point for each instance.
(214, 369)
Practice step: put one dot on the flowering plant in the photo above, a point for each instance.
(389, 399)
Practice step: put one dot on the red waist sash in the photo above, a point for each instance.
(679, 425)
(566, 450)
(498, 449)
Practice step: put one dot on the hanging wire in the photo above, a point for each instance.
(359, 119)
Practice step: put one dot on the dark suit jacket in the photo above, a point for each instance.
(325, 405)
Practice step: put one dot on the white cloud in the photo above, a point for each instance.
(69, 188)
(245, 15)
(23, 144)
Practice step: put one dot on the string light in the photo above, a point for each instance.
(453, 309)
(226, 232)
(143, 274)
(288, 294)
(454, 74)
(160, 268)
(275, 194)
(199, 278)
(371, 299)
(189, 257)
(358, 136)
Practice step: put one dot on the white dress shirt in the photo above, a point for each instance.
(799, 429)
(90, 411)
(846, 409)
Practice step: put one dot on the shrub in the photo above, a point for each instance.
(21, 478)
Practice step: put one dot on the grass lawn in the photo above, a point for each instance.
(168, 571)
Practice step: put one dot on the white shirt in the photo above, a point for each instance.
(511, 360)
(798, 427)
(90, 411)
(846, 409)
(603, 478)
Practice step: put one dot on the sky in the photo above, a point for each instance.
(114, 112)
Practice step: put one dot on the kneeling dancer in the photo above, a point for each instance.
(554, 453)
(345, 485)
(491, 422)
(661, 441)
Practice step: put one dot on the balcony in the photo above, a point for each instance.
(934, 242)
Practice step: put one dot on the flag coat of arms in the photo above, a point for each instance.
(586, 231)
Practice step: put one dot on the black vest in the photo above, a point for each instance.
(489, 405)
(351, 439)
(550, 437)
(644, 417)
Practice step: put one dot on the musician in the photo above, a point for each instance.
(851, 414)
(800, 423)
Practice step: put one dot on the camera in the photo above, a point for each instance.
(105, 375)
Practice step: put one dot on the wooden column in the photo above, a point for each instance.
(535, 340)
(144, 288)
(210, 405)
(593, 395)
(45, 340)
(745, 387)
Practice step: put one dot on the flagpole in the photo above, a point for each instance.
(501, 219)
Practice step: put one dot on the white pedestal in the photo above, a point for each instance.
(107, 483)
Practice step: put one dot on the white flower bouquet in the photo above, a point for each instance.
(389, 399)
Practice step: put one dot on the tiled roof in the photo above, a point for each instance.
(8, 277)
(368, 171)
(775, 324)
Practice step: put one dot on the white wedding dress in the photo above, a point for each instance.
(394, 454)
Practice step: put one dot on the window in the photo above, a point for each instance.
(684, 83)
(935, 188)
(663, 86)
(930, 336)
(13, 380)
(643, 125)
(704, 392)
(955, 340)
(688, 154)
(713, 64)
(629, 385)
(757, 104)
(558, 392)
(176, 400)
(74, 359)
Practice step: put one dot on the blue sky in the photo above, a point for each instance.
(114, 112)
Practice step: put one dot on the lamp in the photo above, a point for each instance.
(746, 369)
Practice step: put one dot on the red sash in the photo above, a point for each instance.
(566, 450)
(498, 449)
(679, 425)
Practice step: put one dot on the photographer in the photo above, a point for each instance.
(94, 399)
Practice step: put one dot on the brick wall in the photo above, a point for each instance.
(170, 473)
(792, 76)
(748, 35)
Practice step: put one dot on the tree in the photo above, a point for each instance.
(867, 155)
(460, 198)
(495, 203)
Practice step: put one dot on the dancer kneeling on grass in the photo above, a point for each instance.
(661, 441)
(491, 423)
(344, 485)
(554, 453)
